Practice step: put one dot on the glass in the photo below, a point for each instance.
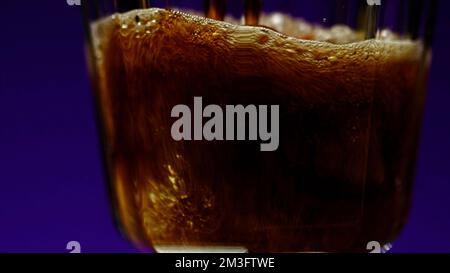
(348, 78)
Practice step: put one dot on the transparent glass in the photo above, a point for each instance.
(348, 78)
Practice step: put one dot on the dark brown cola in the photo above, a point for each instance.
(349, 119)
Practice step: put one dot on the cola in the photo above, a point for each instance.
(349, 115)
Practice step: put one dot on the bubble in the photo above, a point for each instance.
(263, 39)
(332, 58)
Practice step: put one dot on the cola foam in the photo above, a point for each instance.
(349, 118)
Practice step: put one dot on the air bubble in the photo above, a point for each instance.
(332, 58)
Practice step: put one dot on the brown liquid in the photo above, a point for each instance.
(349, 116)
(215, 9)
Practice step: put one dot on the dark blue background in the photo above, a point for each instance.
(52, 188)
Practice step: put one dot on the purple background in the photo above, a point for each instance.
(52, 188)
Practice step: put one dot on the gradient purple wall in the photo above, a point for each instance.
(52, 188)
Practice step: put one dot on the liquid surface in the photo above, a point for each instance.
(349, 117)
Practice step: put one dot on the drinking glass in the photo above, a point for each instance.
(340, 85)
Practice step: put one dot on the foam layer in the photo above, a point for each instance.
(322, 46)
